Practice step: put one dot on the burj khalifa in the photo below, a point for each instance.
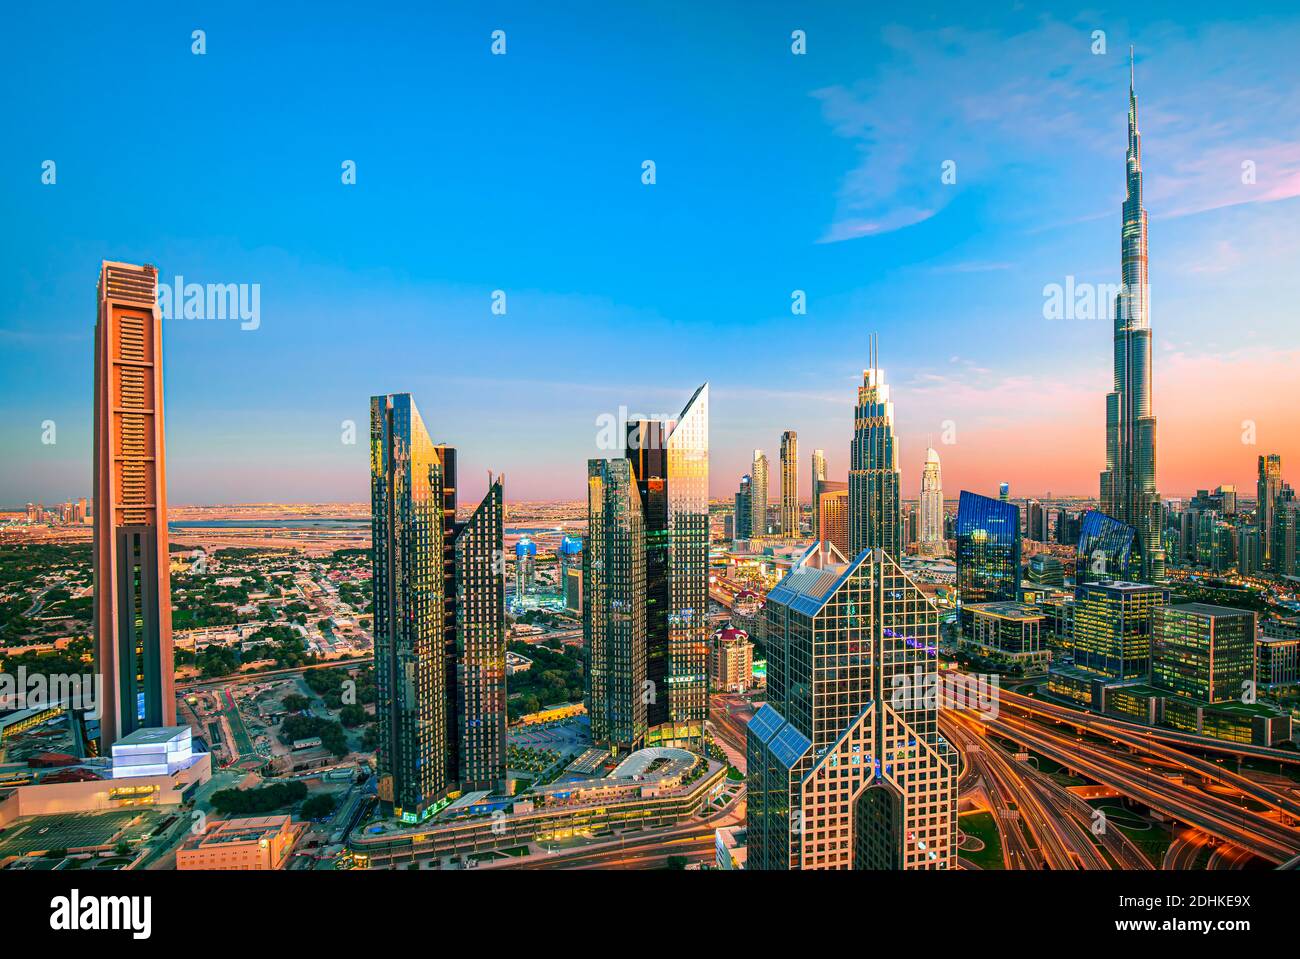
(1128, 484)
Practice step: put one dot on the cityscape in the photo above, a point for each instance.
(410, 641)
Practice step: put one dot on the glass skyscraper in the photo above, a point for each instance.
(439, 619)
(789, 484)
(481, 644)
(1268, 485)
(1105, 549)
(646, 612)
(846, 767)
(988, 552)
(818, 477)
(875, 503)
(1128, 484)
(743, 524)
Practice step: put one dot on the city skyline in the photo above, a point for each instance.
(590, 259)
(859, 229)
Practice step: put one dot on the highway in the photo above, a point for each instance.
(1140, 739)
(1213, 814)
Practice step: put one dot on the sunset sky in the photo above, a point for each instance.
(775, 173)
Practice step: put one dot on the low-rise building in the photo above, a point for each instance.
(240, 844)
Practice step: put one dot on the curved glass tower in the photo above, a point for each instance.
(1128, 484)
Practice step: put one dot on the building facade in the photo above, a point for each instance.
(833, 515)
(846, 766)
(930, 539)
(439, 619)
(660, 593)
(818, 477)
(988, 552)
(1113, 627)
(758, 473)
(1128, 484)
(1203, 652)
(743, 524)
(789, 484)
(875, 503)
(132, 570)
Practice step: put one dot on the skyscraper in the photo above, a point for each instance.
(651, 581)
(1105, 549)
(833, 515)
(1128, 484)
(614, 606)
(758, 494)
(743, 527)
(1266, 493)
(525, 568)
(818, 477)
(931, 540)
(846, 767)
(439, 619)
(988, 552)
(875, 503)
(133, 609)
(789, 484)
(481, 720)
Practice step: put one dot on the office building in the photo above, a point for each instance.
(818, 477)
(614, 607)
(988, 552)
(132, 572)
(846, 766)
(1046, 570)
(930, 536)
(439, 619)
(1113, 627)
(1286, 535)
(758, 494)
(1106, 550)
(833, 515)
(875, 504)
(525, 568)
(1203, 652)
(743, 527)
(1128, 484)
(1277, 653)
(1010, 630)
(789, 484)
(1267, 487)
(480, 653)
(646, 586)
(1249, 550)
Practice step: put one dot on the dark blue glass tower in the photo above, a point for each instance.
(1105, 551)
(988, 552)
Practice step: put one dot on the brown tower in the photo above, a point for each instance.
(133, 612)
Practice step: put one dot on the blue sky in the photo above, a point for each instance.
(522, 173)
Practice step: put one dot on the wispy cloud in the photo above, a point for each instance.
(1004, 104)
